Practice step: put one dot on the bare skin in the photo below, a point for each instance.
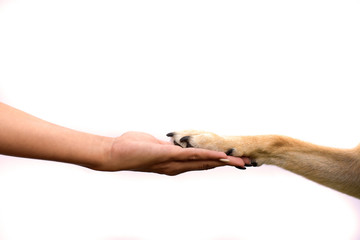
(24, 135)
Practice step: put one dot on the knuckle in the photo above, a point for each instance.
(170, 169)
(172, 173)
(206, 166)
(195, 155)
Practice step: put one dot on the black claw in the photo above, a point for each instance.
(249, 165)
(186, 140)
(241, 168)
(253, 163)
(171, 134)
(175, 143)
(229, 152)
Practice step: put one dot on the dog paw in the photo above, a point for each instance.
(199, 139)
(210, 141)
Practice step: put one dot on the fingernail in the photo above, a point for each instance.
(241, 168)
(224, 160)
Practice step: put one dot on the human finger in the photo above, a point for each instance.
(185, 154)
(248, 162)
(236, 161)
(187, 166)
(165, 142)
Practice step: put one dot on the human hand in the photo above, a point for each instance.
(23, 135)
(138, 151)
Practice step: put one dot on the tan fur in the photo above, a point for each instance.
(335, 168)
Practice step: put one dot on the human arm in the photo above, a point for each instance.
(24, 135)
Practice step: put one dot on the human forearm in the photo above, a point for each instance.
(23, 135)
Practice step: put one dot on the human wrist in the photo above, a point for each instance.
(102, 158)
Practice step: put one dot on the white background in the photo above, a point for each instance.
(230, 67)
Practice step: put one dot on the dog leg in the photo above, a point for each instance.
(335, 168)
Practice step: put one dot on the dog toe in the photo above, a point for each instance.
(186, 140)
(229, 152)
(253, 163)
